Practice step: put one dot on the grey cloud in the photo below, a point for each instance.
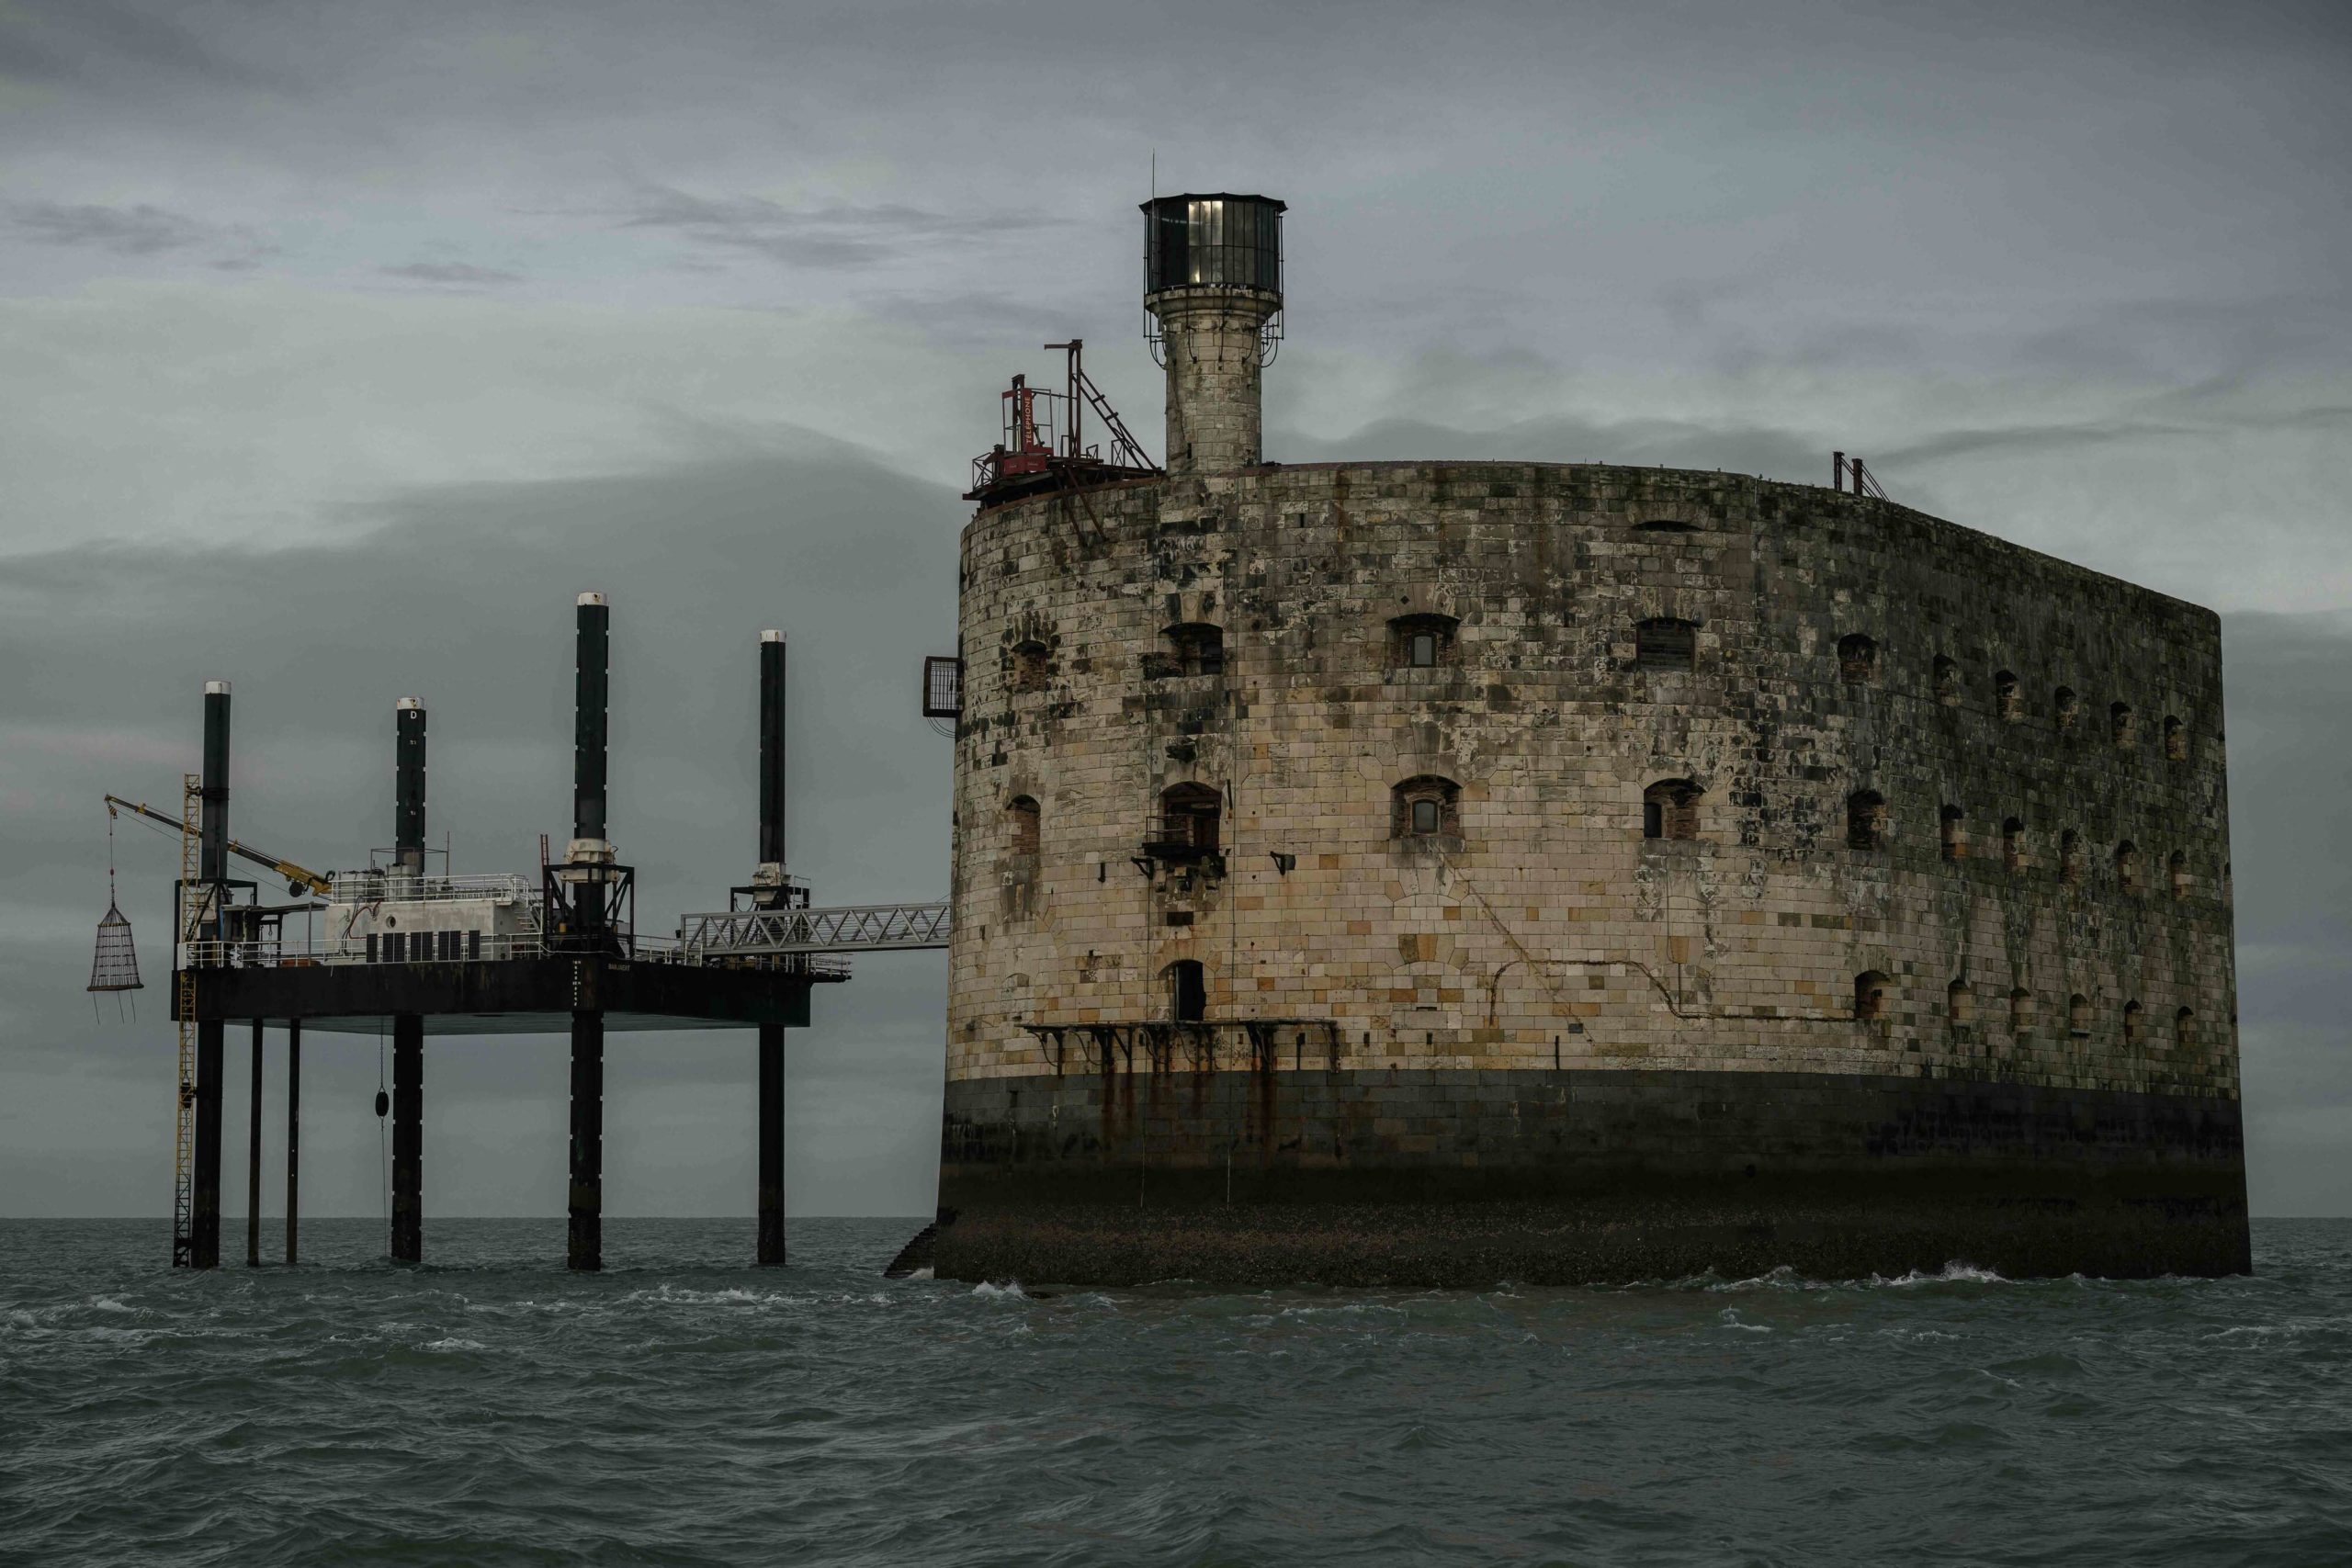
(829, 236)
(1752, 449)
(965, 318)
(140, 231)
(2032, 438)
(86, 40)
(457, 274)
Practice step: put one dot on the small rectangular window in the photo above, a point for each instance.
(1666, 645)
(1424, 650)
(371, 947)
(1425, 817)
(395, 947)
(473, 945)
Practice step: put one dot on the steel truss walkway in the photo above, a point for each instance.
(850, 928)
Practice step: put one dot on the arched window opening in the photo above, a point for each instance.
(1195, 648)
(1670, 809)
(1022, 819)
(1187, 825)
(1421, 642)
(2065, 707)
(1665, 644)
(2013, 855)
(2184, 1029)
(2176, 739)
(1960, 1004)
(2134, 1033)
(2176, 873)
(1029, 666)
(2127, 866)
(1188, 991)
(1425, 806)
(2020, 1012)
(1870, 996)
(2070, 857)
(2078, 1016)
(1946, 681)
(1866, 820)
(1857, 658)
(2122, 727)
(2008, 700)
(1953, 828)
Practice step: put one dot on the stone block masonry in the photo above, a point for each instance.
(1516, 769)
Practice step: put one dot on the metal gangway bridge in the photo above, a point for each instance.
(847, 928)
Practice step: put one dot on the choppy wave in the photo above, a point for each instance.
(684, 1408)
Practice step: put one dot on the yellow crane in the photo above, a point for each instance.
(299, 880)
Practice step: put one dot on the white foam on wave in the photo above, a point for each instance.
(1782, 1279)
(1730, 1319)
(2289, 1328)
(1953, 1273)
(448, 1345)
(1009, 1291)
(681, 1295)
(1785, 1278)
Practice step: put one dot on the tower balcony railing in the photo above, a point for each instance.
(1182, 838)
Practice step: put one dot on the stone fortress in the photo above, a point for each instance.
(1445, 873)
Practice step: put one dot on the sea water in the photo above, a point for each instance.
(682, 1407)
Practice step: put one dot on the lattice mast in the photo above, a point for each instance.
(187, 928)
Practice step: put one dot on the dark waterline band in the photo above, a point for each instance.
(1462, 1177)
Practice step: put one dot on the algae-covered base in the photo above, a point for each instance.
(1559, 1179)
(1478, 1246)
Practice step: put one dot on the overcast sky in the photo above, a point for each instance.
(342, 345)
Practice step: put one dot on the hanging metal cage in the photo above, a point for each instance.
(115, 965)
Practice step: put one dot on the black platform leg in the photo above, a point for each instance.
(586, 1248)
(204, 1215)
(771, 1145)
(253, 1162)
(293, 1131)
(408, 1138)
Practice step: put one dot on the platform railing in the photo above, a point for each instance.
(495, 948)
(402, 887)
